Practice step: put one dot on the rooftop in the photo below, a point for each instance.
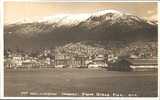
(143, 61)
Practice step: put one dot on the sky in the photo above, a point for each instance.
(14, 11)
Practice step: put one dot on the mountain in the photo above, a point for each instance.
(106, 25)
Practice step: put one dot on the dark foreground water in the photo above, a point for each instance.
(80, 82)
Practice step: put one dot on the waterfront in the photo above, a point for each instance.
(58, 81)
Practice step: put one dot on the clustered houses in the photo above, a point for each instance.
(58, 60)
(26, 60)
(55, 59)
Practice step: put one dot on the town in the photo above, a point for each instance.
(81, 56)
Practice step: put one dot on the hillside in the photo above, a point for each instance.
(117, 48)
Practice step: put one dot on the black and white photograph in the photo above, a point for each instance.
(80, 49)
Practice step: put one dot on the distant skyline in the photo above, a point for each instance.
(14, 11)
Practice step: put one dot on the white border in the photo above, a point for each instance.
(83, 0)
(110, 98)
(1, 51)
(158, 50)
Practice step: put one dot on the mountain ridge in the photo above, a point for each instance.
(108, 25)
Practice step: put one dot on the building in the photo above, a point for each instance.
(98, 62)
(120, 65)
(17, 60)
(134, 65)
(143, 64)
(13, 61)
(62, 62)
(30, 64)
(80, 61)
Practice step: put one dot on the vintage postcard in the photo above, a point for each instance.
(80, 49)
